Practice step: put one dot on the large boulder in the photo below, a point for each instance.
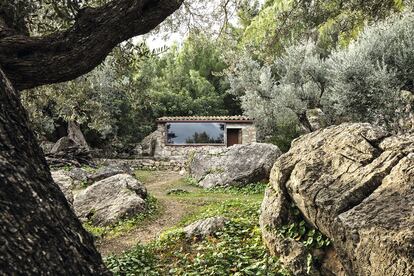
(355, 183)
(107, 201)
(66, 152)
(235, 165)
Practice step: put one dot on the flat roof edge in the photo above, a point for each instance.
(205, 121)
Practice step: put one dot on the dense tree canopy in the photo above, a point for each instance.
(123, 97)
(329, 23)
(272, 57)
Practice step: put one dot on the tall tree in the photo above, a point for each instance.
(39, 233)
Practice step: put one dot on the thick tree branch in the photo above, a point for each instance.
(32, 61)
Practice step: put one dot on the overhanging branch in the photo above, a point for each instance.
(34, 61)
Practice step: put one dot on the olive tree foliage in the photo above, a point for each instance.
(91, 100)
(328, 23)
(47, 16)
(43, 16)
(214, 17)
(278, 95)
(369, 81)
(368, 77)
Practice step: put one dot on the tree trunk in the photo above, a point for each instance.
(39, 233)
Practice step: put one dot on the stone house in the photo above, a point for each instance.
(176, 136)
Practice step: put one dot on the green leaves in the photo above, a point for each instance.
(299, 230)
(236, 250)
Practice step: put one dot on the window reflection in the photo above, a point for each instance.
(195, 133)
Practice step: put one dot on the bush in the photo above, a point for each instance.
(367, 77)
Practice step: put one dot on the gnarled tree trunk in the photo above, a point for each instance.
(38, 231)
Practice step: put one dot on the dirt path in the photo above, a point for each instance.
(172, 212)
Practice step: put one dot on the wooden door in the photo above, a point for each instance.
(233, 136)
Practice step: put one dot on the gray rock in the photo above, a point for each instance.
(235, 165)
(76, 135)
(149, 143)
(63, 144)
(108, 171)
(316, 118)
(78, 174)
(110, 200)
(355, 183)
(65, 184)
(47, 146)
(206, 227)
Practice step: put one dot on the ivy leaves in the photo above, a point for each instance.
(303, 232)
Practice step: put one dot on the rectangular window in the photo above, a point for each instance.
(195, 133)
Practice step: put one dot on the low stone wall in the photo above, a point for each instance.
(144, 163)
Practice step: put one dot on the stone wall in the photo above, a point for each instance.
(180, 153)
(144, 164)
(248, 132)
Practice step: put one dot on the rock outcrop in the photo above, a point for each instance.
(66, 152)
(63, 144)
(149, 143)
(236, 165)
(355, 183)
(107, 201)
(205, 227)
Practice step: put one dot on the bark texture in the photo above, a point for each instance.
(39, 234)
(32, 61)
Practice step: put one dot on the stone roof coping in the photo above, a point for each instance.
(230, 119)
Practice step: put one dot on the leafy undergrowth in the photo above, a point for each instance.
(124, 226)
(302, 231)
(237, 250)
(253, 191)
(250, 189)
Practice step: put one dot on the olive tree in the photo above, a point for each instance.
(39, 233)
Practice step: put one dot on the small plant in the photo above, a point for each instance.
(191, 181)
(89, 169)
(141, 259)
(177, 192)
(303, 232)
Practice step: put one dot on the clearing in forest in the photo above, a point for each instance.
(155, 244)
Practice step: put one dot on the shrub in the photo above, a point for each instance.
(368, 76)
